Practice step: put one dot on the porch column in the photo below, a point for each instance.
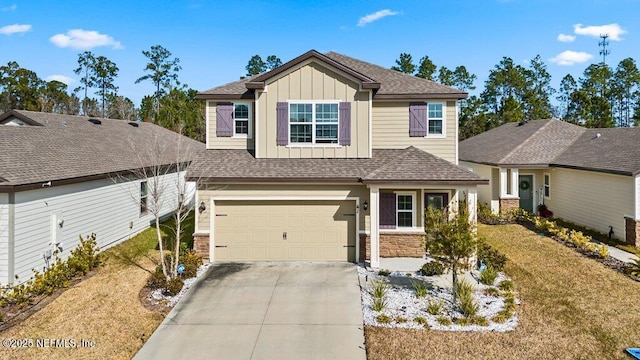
(503, 182)
(455, 201)
(515, 187)
(374, 207)
(472, 200)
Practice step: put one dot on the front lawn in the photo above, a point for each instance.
(103, 309)
(571, 307)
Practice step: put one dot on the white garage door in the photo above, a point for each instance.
(284, 231)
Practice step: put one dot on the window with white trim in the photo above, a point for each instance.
(313, 123)
(435, 119)
(241, 119)
(547, 185)
(405, 210)
(144, 209)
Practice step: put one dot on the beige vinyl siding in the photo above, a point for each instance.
(4, 238)
(312, 81)
(215, 142)
(391, 130)
(484, 171)
(290, 191)
(101, 207)
(594, 200)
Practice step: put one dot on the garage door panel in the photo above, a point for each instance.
(315, 230)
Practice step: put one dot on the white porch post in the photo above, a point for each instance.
(472, 200)
(374, 207)
(515, 188)
(503, 182)
(637, 197)
(455, 201)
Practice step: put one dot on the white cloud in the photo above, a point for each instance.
(566, 38)
(10, 8)
(613, 30)
(369, 18)
(80, 39)
(15, 28)
(62, 78)
(569, 58)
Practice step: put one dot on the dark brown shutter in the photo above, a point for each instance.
(224, 119)
(387, 211)
(418, 119)
(344, 122)
(282, 126)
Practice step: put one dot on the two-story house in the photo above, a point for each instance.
(326, 158)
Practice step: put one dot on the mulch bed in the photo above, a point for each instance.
(609, 262)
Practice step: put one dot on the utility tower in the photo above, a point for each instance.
(603, 44)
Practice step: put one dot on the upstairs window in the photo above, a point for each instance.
(241, 116)
(436, 119)
(313, 123)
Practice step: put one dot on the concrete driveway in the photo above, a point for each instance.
(265, 311)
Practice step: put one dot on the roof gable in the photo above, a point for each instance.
(386, 83)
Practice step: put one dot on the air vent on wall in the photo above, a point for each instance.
(95, 121)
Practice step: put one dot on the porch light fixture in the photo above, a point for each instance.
(202, 207)
(365, 206)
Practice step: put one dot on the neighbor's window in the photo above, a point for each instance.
(547, 185)
(241, 116)
(436, 119)
(313, 123)
(404, 210)
(143, 198)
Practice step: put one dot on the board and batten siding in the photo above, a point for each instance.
(110, 210)
(391, 129)
(289, 191)
(595, 200)
(4, 238)
(311, 81)
(226, 143)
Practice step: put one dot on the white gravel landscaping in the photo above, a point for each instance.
(158, 297)
(402, 303)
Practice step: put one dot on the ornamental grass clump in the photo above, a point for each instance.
(488, 276)
(467, 304)
(420, 288)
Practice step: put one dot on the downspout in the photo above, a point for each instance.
(11, 239)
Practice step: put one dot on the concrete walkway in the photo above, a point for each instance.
(265, 311)
(621, 255)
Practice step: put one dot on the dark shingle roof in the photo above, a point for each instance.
(556, 143)
(386, 165)
(69, 147)
(535, 142)
(616, 150)
(392, 84)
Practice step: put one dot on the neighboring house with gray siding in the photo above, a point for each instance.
(326, 158)
(65, 176)
(587, 176)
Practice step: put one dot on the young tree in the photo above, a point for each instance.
(452, 238)
(103, 75)
(404, 64)
(162, 72)
(426, 69)
(85, 68)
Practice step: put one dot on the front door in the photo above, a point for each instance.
(526, 192)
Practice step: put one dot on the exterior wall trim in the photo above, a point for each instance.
(12, 237)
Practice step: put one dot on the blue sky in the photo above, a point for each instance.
(215, 39)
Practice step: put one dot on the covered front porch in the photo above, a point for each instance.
(513, 188)
(397, 215)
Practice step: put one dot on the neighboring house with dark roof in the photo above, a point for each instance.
(587, 176)
(64, 176)
(326, 158)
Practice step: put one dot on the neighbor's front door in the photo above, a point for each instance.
(525, 184)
